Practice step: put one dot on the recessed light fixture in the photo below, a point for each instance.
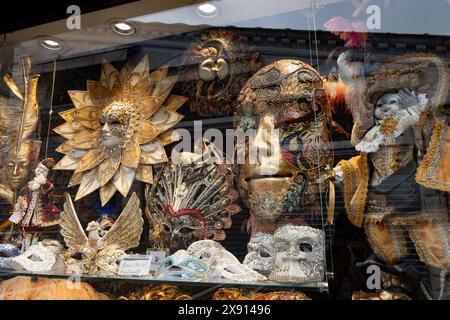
(123, 28)
(208, 10)
(51, 43)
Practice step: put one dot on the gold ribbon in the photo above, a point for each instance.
(331, 203)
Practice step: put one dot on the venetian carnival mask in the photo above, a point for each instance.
(193, 199)
(18, 122)
(39, 257)
(259, 256)
(19, 163)
(284, 105)
(298, 254)
(216, 70)
(93, 254)
(116, 122)
(221, 263)
(182, 265)
(118, 129)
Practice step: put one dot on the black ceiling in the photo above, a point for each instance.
(19, 14)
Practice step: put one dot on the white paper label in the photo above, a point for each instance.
(135, 267)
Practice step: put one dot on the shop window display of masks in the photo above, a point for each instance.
(180, 157)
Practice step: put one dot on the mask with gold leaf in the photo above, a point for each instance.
(287, 107)
(18, 121)
(216, 69)
(118, 129)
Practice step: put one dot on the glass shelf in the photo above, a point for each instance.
(149, 280)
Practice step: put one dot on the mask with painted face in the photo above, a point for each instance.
(118, 129)
(117, 122)
(285, 108)
(216, 69)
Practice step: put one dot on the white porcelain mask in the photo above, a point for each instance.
(181, 264)
(298, 254)
(259, 256)
(221, 263)
(39, 257)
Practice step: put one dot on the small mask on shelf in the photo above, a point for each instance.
(93, 254)
(259, 256)
(298, 255)
(221, 263)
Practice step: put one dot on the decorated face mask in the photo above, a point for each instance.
(216, 69)
(39, 257)
(181, 264)
(91, 253)
(284, 105)
(118, 128)
(221, 263)
(116, 124)
(107, 261)
(18, 164)
(192, 200)
(259, 256)
(298, 254)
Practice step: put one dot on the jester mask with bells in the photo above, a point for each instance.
(289, 109)
(18, 121)
(118, 129)
(216, 69)
(192, 199)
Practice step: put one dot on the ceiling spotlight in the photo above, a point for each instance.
(208, 10)
(51, 43)
(123, 28)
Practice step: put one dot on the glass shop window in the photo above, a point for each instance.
(295, 146)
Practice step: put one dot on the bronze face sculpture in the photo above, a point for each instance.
(118, 129)
(287, 105)
(18, 121)
(216, 69)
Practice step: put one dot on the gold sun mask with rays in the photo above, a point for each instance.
(118, 129)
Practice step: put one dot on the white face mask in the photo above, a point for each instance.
(298, 254)
(39, 257)
(221, 263)
(259, 256)
(182, 265)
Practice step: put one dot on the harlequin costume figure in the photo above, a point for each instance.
(33, 210)
(396, 188)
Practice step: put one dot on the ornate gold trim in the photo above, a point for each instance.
(356, 181)
(431, 163)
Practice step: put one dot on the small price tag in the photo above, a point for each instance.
(135, 266)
